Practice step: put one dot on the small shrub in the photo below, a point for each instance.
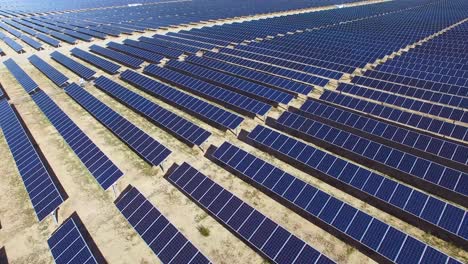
(204, 231)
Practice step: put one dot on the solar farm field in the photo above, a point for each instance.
(216, 131)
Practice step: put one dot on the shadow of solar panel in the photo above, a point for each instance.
(235, 84)
(22, 77)
(124, 59)
(154, 228)
(234, 101)
(139, 53)
(99, 165)
(42, 190)
(252, 75)
(54, 75)
(140, 142)
(68, 245)
(211, 114)
(183, 129)
(385, 242)
(101, 63)
(81, 70)
(256, 230)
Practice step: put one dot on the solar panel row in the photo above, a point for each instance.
(22, 77)
(68, 244)
(78, 68)
(145, 146)
(366, 231)
(136, 52)
(99, 165)
(258, 231)
(163, 51)
(169, 44)
(101, 63)
(211, 114)
(43, 192)
(54, 75)
(235, 84)
(187, 131)
(124, 59)
(237, 102)
(168, 243)
(31, 42)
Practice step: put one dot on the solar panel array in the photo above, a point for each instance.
(53, 74)
(101, 63)
(164, 239)
(22, 77)
(214, 115)
(255, 229)
(399, 164)
(144, 145)
(124, 59)
(68, 244)
(181, 128)
(227, 98)
(42, 190)
(366, 231)
(136, 52)
(81, 70)
(99, 165)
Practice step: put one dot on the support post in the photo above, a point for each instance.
(55, 216)
(114, 190)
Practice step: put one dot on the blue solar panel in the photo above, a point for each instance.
(427, 146)
(63, 37)
(99, 165)
(235, 84)
(43, 192)
(12, 44)
(167, 52)
(237, 102)
(31, 42)
(396, 115)
(54, 75)
(279, 83)
(168, 243)
(258, 231)
(187, 131)
(51, 41)
(136, 52)
(81, 70)
(168, 44)
(68, 244)
(101, 63)
(144, 145)
(124, 59)
(449, 183)
(22, 77)
(213, 115)
(384, 241)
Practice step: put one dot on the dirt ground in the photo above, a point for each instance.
(25, 240)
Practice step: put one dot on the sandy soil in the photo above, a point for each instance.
(25, 239)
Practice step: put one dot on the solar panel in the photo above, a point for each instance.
(78, 68)
(237, 102)
(136, 52)
(43, 192)
(101, 63)
(190, 133)
(173, 45)
(423, 145)
(211, 114)
(99, 165)
(164, 239)
(398, 116)
(385, 242)
(68, 244)
(124, 59)
(22, 77)
(360, 181)
(145, 146)
(12, 44)
(54, 75)
(51, 41)
(252, 75)
(255, 229)
(31, 42)
(399, 164)
(63, 37)
(235, 84)
(167, 52)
